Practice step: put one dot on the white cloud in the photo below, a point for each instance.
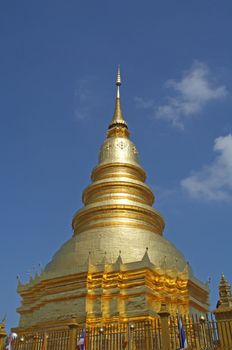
(188, 96)
(213, 181)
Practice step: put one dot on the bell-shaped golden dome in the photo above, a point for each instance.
(117, 214)
(117, 264)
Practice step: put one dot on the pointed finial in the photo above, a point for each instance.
(118, 119)
(146, 258)
(3, 321)
(118, 82)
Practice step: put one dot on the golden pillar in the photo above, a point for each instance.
(164, 316)
(45, 342)
(72, 343)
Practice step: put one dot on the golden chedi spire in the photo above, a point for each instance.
(118, 118)
(118, 213)
(225, 292)
(223, 311)
(117, 237)
(118, 195)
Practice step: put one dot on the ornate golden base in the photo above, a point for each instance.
(115, 293)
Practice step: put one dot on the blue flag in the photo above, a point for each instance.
(82, 341)
(183, 340)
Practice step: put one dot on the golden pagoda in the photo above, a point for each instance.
(224, 306)
(117, 266)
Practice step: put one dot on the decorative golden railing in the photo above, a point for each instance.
(131, 335)
(57, 340)
(161, 333)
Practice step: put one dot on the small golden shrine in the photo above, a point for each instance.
(117, 265)
(224, 307)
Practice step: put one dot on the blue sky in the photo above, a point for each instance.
(57, 70)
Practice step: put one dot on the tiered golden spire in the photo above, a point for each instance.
(225, 292)
(88, 280)
(118, 118)
(118, 195)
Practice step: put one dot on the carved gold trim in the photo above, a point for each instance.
(113, 285)
(85, 219)
(140, 192)
(132, 170)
